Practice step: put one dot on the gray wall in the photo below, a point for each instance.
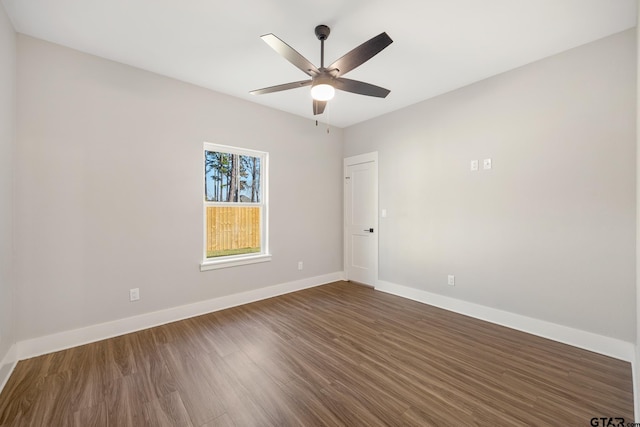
(109, 190)
(7, 142)
(549, 232)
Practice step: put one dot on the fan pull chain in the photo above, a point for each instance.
(327, 121)
(326, 112)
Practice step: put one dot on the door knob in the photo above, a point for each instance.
(370, 230)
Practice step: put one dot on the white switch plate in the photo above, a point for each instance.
(383, 213)
(487, 163)
(474, 165)
(134, 294)
(300, 265)
(451, 280)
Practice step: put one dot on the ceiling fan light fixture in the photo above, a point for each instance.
(326, 80)
(322, 92)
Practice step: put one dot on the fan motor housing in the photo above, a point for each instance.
(322, 32)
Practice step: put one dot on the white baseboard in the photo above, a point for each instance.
(67, 339)
(635, 368)
(7, 365)
(586, 340)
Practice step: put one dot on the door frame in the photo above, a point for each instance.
(351, 161)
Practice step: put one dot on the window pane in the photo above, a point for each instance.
(232, 230)
(249, 179)
(221, 176)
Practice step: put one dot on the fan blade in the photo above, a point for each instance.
(290, 54)
(318, 107)
(360, 88)
(361, 54)
(278, 88)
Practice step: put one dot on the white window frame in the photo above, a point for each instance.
(237, 260)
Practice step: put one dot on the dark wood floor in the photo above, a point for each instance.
(335, 355)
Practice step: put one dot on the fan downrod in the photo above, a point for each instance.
(322, 32)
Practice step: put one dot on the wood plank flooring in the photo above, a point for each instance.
(334, 355)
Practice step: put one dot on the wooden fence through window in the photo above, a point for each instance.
(232, 230)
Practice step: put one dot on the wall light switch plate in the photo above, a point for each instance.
(474, 165)
(451, 280)
(487, 164)
(134, 294)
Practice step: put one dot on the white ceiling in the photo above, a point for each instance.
(439, 45)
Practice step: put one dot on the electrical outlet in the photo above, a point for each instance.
(134, 294)
(474, 165)
(300, 265)
(451, 280)
(486, 164)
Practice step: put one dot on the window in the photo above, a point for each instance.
(235, 207)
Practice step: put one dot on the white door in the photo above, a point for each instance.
(361, 218)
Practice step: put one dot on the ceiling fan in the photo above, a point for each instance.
(323, 80)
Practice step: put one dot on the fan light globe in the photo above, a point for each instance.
(322, 92)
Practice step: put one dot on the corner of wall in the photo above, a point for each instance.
(636, 362)
(8, 365)
(8, 125)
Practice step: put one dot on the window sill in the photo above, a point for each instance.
(234, 262)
